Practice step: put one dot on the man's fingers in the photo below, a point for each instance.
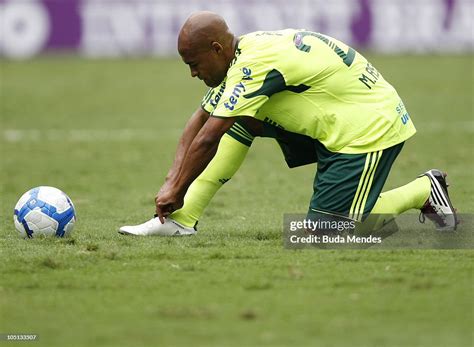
(163, 211)
(160, 217)
(160, 214)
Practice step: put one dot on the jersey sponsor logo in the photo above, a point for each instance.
(215, 100)
(247, 74)
(405, 118)
(234, 98)
(403, 113)
(238, 89)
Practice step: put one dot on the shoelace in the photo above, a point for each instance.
(422, 218)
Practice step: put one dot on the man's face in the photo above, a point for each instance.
(208, 65)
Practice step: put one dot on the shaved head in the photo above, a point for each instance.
(201, 29)
(207, 45)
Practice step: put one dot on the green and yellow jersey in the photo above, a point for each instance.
(311, 84)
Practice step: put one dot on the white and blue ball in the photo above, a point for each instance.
(44, 211)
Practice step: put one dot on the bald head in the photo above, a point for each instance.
(207, 45)
(203, 28)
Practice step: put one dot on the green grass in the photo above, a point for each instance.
(106, 131)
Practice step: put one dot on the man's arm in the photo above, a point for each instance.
(194, 124)
(197, 157)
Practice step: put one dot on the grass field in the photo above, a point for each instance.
(105, 132)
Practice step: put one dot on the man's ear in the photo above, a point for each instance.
(217, 47)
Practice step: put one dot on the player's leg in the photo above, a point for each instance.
(428, 193)
(382, 208)
(297, 150)
(349, 186)
(230, 154)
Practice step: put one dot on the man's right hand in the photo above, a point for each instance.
(167, 201)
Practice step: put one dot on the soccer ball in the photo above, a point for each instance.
(44, 211)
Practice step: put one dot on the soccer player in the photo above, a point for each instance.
(304, 83)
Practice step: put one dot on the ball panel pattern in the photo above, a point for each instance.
(46, 211)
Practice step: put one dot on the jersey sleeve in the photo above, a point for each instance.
(244, 92)
(205, 102)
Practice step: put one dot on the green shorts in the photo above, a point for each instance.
(297, 149)
(348, 185)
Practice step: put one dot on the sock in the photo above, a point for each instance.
(396, 201)
(229, 156)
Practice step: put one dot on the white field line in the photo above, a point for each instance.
(128, 135)
(87, 135)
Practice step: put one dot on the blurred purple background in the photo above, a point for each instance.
(149, 27)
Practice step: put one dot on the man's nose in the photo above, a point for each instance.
(194, 72)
